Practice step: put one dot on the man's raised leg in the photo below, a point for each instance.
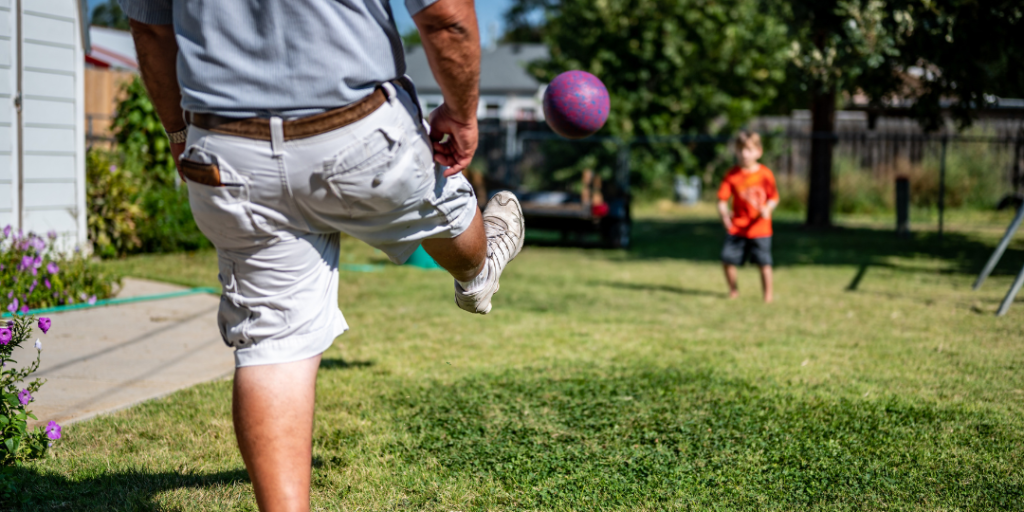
(463, 256)
(477, 257)
(272, 410)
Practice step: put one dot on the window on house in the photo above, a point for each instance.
(493, 110)
(527, 114)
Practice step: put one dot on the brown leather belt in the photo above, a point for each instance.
(259, 128)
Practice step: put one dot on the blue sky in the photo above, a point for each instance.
(490, 13)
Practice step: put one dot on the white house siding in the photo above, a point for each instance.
(53, 145)
(8, 141)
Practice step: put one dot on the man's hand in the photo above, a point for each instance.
(451, 40)
(766, 212)
(457, 151)
(176, 151)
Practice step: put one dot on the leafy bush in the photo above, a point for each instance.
(140, 135)
(17, 442)
(114, 209)
(136, 201)
(35, 275)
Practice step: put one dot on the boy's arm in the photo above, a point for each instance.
(724, 193)
(773, 197)
(723, 211)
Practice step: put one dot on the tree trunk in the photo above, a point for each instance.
(819, 193)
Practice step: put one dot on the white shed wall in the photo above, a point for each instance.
(8, 135)
(52, 119)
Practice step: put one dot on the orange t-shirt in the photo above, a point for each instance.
(749, 192)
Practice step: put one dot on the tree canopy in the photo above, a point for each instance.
(109, 14)
(682, 66)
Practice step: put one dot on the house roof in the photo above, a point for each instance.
(112, 48)
(502, 69)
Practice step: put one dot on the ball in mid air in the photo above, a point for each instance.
(576, 104)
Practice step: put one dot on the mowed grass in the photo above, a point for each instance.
(615, 380)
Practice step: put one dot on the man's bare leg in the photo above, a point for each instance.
(766, 282)
(463, 256)
(730, 277)
(273, 413)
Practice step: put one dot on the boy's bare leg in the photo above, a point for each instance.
(730, 277)
(463, 256)
(766, 282)
(272, 410)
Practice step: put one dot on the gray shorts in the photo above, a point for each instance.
(275, 221)
(737, 250)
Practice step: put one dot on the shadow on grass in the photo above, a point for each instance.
(640, 287)
(25, 489)
(337, 363)
(794, 244)
(666, 439)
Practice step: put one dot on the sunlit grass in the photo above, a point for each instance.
(613, 380)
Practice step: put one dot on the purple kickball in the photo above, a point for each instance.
(576, 104)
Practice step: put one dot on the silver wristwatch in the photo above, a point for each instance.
(179, 136)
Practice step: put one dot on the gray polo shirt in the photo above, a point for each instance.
(246, 58)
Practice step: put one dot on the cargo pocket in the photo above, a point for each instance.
(219, 198)
(244, 322)
(377, 174)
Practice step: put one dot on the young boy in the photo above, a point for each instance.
(752, 189)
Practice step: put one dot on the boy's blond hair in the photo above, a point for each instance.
(747, 139)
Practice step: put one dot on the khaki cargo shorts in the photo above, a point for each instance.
(277, 211)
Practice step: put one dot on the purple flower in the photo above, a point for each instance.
(53, 430)
(5, 336)
(92, 300)
(113, 168)
(24, 397)
(10, 323)
(47, 283)
(7, 231)
(32, 287)
(24, 308)
(26, 262)
(39, 244)
(52, 268)
(51, 234)
(44, 324)
(13, 307)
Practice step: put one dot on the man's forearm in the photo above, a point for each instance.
(158, 54)
(451, 40)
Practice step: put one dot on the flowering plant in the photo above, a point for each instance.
(33, 275)
(17, 442)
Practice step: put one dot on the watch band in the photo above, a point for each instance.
(179, 136)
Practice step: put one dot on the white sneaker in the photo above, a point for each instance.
(503, 226)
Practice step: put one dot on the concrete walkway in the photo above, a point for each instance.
(103, 359)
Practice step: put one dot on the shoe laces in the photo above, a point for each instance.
(502, 241)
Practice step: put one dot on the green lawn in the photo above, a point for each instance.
(613, 380)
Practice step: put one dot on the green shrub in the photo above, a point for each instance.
(169, 226)
(136, 201)
(114, 209)
(35, 275)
